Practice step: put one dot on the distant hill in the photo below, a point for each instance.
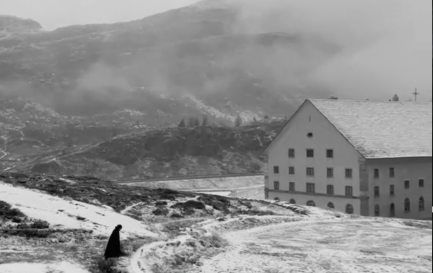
(172, 152)
(34, 138)
(15, 24)
(186, 62)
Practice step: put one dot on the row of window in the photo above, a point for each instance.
(311, 188)
(407, 185)
(377, 211)
(391, 173)
(310, 153)
(349, 208)
(311, 172)
(407, 207)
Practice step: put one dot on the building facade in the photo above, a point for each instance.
(351, 157)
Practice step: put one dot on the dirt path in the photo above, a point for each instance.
(341, 246)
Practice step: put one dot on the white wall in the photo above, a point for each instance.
(309, 119)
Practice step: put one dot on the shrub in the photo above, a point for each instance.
(39, 224)
(8, 213)
(108, 266)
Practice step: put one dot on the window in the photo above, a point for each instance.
(421, 183)
(310, 135)
(392, 190)
(349, 191)
(276, 170)
(349, 173)
(292, 170)
(310, 153)
(330, 172)
(276, 185)
(376, 191)
(311, 204)
(331, 205)
(330, 153)
(311, 188)
(293, 201)
(292, 153)
(407, 205)
(310, 172)
(292, 186)
(421, 204)
(350, 209)
(376, 173)
(330, 190)
(392, 210)
(392, 172)
(407, 184)
(377, 210)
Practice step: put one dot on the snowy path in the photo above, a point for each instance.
(69, 213)
(138, 263)
(341, 246)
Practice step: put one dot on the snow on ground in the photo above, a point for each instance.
(137, 264)
(63, 267)
(337, 246)
(69, 213)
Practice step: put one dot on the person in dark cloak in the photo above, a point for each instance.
(113, 249)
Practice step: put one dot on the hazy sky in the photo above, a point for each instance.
(57, 13)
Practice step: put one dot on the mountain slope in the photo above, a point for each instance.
(189, 61)
(171, 152)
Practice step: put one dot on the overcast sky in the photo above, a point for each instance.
(57, 13)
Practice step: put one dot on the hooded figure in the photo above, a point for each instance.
(113, 247)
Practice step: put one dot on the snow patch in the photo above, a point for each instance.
(69, 213)
(210, 110)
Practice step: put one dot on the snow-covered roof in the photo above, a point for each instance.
(382, 129)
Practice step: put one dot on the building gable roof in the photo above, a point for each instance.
(382, 129)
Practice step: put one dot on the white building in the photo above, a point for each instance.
(367, 158)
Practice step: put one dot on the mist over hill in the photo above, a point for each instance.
(220, 58)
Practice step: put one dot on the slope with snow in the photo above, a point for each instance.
(69, 213)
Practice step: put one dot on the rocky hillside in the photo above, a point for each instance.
(172, 152)
(186, 62)
(35, 138)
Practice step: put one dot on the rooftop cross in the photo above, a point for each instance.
(416, 94)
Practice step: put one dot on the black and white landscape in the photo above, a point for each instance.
(157, 116)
